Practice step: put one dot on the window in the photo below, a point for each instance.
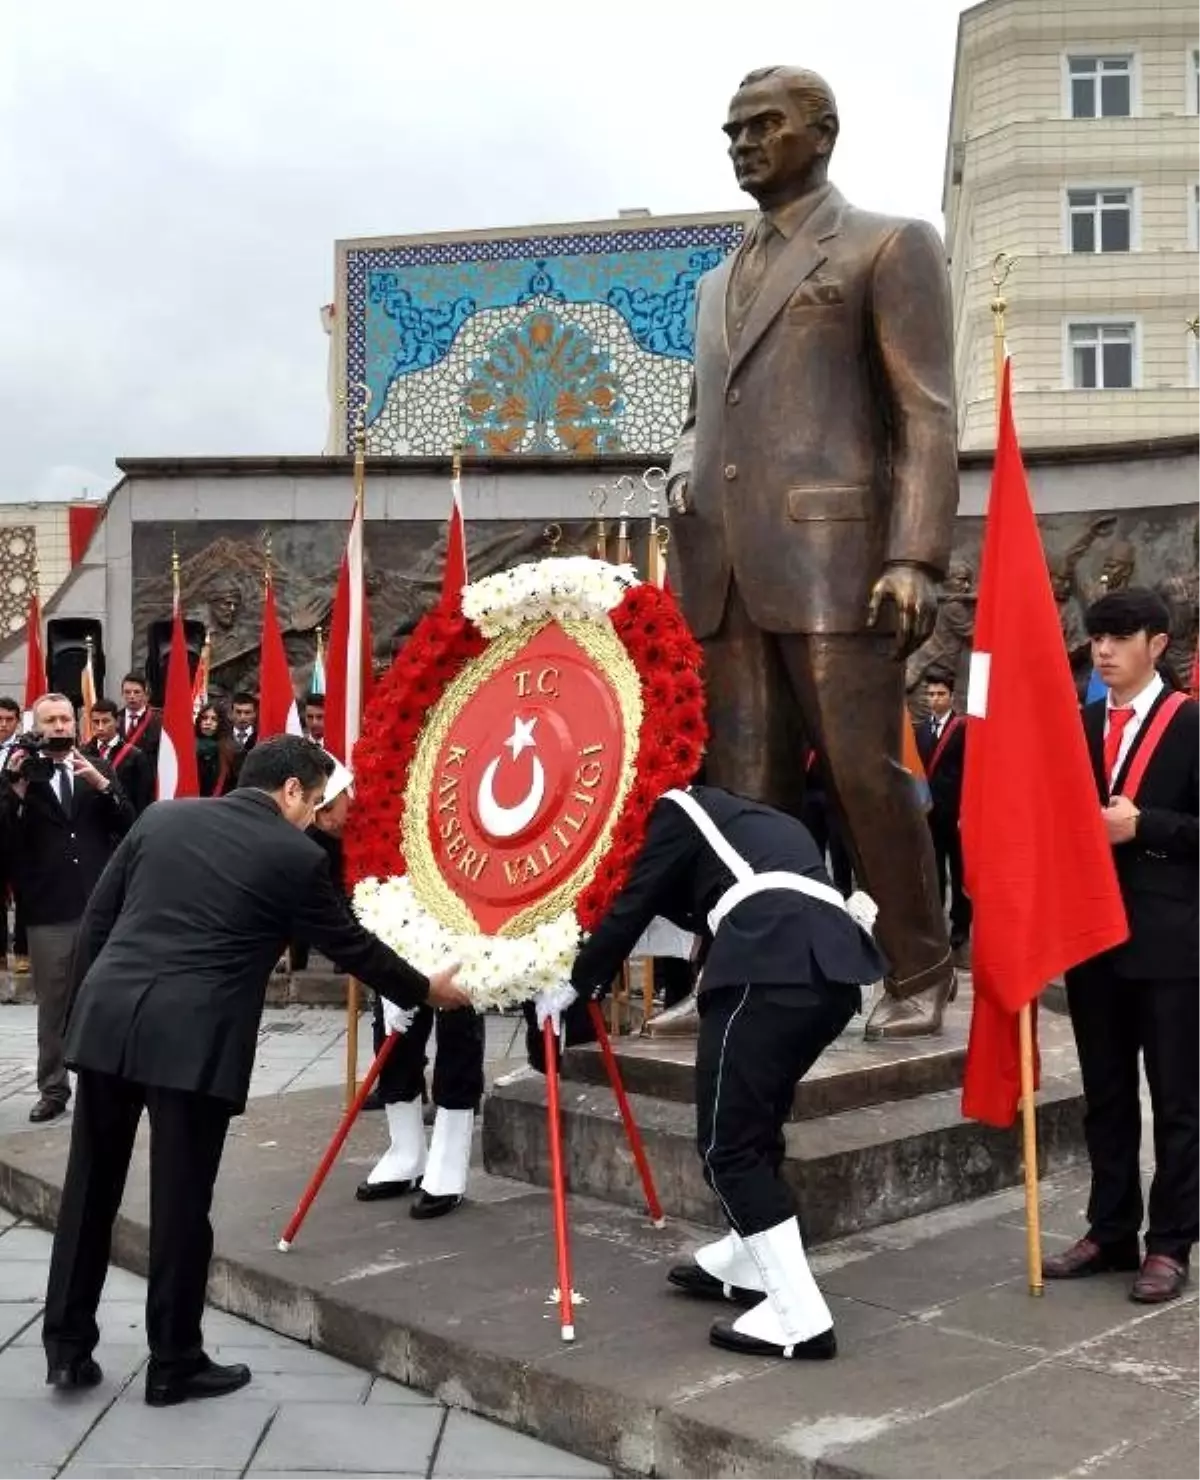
(1100, 87)
(1193, 227)
(1100, 220)
(1102, 356)
(1193, 79)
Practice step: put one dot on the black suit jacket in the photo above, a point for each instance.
(776, 938)
(137, 777)
(945, 785)
(54, 859)
(182, 932)
(1159, 871)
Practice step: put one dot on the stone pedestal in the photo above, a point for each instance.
(876, 1133)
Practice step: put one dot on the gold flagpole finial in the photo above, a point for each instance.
(553, 534)
(456, 462)
(1002, 265)
(175, 566)
(598, 498)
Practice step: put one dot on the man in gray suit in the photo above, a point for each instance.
(813, 493)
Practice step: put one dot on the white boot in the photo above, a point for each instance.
(728, 1261)
(404, 1160)
(793, 1321)
(449, 1157)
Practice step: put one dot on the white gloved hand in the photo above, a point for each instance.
(397, 1019)
(552, 1003)
(863, 910)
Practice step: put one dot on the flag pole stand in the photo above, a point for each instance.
(351, 1040)
(1033, 1215)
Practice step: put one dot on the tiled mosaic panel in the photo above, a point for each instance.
(18, 571)
(570, 344)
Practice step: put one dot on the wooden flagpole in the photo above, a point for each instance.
(1001, 267)
(360, 486)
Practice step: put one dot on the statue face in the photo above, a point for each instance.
(958, 578)
(774, 150)
(1116, 571)
(225, 606)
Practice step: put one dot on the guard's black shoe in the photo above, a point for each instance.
(208, 1379)
(82, 1372)
(693, 1280)
(378, 1191)
(819, 1348)
(431, 1205)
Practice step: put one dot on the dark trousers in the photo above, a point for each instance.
(51, 948)
(457, 1064)
(947, 856)
(827, 835)
(756, 1044)
(1115, 1019)
(187, 1135)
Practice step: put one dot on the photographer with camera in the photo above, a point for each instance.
(61, 817)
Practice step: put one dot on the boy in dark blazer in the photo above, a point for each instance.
(941, 744)
(1141, 997)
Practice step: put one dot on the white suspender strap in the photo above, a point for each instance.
(713, 836)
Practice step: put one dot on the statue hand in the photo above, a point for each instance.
(913, 594)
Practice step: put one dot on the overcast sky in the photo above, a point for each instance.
(173, 177)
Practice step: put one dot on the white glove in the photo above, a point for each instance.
(552, 1003)
(397, 1019)
(863, 910)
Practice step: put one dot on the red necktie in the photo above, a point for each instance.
(1117, 720)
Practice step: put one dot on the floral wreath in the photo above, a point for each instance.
(501, 970)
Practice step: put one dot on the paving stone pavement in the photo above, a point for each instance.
(303, 1414)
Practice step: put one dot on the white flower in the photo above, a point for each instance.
(560, 588)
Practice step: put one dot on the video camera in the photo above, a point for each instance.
(42, 753)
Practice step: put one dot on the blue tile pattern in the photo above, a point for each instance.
(579, 342)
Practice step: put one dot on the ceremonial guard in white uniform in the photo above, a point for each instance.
(786, 956)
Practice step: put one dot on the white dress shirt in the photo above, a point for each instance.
(1141, 704)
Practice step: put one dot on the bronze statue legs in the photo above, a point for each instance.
(845, 693)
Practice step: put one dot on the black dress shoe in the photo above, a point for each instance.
(207, 1380)
(82, 1372)
(693, 1280)
(434, 1205)
(47, 1109)
(377, 1191)
(819, 1348)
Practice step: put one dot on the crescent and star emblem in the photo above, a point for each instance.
(507, 822)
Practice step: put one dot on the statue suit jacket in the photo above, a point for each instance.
(180, 937)
(820, 441)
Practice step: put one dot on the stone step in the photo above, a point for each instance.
(854, 1169)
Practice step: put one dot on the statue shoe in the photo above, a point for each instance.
(919, 1016)
(680, 1021)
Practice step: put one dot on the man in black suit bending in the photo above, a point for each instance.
(1141, 997)
(172, 962)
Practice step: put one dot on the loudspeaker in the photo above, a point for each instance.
(66, 655)
(158, 655)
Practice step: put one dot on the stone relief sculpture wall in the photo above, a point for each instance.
(575, 341)
(1087, 556)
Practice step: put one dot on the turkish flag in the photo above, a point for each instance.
(454, 574)
(347, 675)
(1038, 864)
(177, 774)
(277, 712)
(35, 662)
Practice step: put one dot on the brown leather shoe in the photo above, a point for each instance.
(1160, 1278)
(1088, 1257)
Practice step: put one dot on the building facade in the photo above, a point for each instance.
(1073, 148)
(572, 339)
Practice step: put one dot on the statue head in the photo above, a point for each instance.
(225, 605)
(959, 578)
(1117, 570)
(782, 127)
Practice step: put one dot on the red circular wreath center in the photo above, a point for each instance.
(526, 778)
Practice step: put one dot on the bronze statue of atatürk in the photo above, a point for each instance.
(813, 491)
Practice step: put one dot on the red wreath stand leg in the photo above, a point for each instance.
(558, 1187)
(632, 1134)
(288, 1236)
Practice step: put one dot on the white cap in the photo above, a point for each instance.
(338, 781)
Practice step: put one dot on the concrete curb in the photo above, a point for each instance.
(614, 1427)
